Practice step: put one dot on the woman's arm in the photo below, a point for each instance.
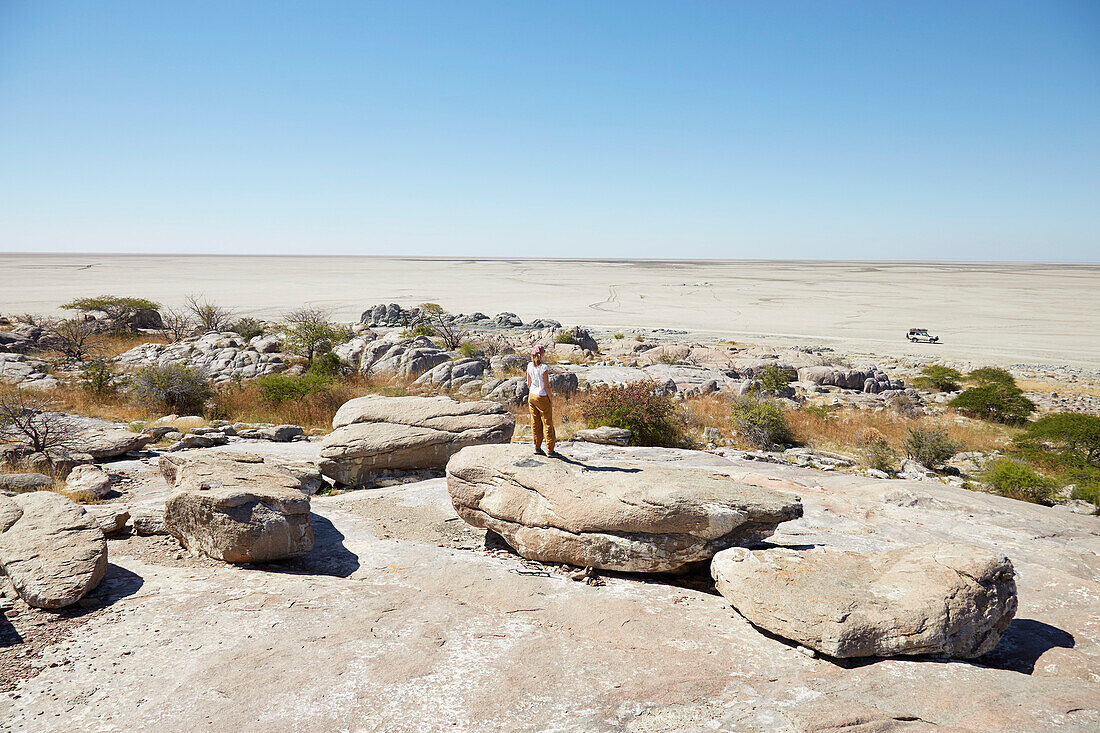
(546, 383)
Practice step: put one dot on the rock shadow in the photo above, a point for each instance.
(581, 464)
(329, 555)
(1023, 643)
(117, 584)
(9, 635)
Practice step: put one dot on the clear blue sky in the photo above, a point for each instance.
(869, 130)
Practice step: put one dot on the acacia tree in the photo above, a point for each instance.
(443, 323)
(26, 417)
(310, 333)
(120, 311)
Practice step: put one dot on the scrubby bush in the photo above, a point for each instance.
(876, 451)
(643, 408)
(208, 316)
(310, 333)
(172, 387)
(99, 378)
(940, 377)
(1072, 437)
(1001, 403)
(329, 366)
(991, 375)
(247, 328)
(1086, 483)
(75, 338)
(929, 447)
(278, 388)
(761, 422)
(639, 338)
(419, 329)
(1010, 478)
(774, 379)
(618, 335)
(467, 350)
(565, 337)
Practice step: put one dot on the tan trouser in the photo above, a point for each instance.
(542, 413)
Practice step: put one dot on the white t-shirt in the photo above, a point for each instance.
(539, 376)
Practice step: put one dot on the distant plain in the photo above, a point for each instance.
(1001, 313)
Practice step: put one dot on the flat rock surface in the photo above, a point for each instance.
(374, 433)
(401, 619)
(611, 514)
(52, 551)
(949, 600)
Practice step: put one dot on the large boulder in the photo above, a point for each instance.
(88, 482)
(239, 507)
(374, 433)
(614, 514)
(950, 600)
(53, 552)
(19, 483)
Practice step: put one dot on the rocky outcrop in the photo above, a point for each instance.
(868, 379)
(453, 374)
(25, 372)
(616, 515)
(101, 439)
(52, 551)
(393, 355)
(238, 507)
(374, 433)
(951, 600)
(223, 356)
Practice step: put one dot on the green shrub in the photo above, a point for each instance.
(310, 333)
(99, 378)
(991, 375)
(618, 335)
(1072, 437)
(329, 365)
(929, 446)
(943, 378)
(247, 328)
(467, 350)
(419, 329)
(639, 338)
(565, 337)
(172, 387)
(1009, 478)
(1086, 482)
(652, 416)
(761, 422)
(668, 359)
(277, 388)
(774, 379)
(1001, 403)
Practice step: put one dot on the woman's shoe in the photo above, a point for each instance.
(539, 452)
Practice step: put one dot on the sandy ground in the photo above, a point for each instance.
(987, 313)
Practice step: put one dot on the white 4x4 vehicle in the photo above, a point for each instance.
(921, 335)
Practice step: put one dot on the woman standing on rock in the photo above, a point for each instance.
(538, 400)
